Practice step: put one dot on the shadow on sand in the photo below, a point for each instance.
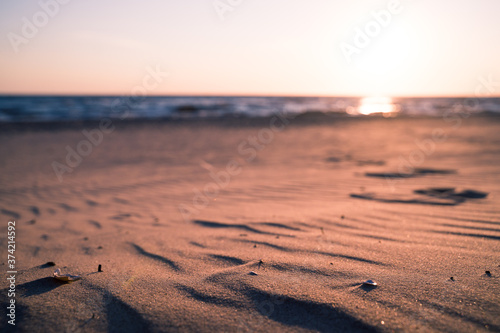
(40, 286)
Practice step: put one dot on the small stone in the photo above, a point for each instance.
(252, 273)
(50, 263)
(99, 247)
(255, 245)
(487, 273)
(452, 279)
(99, 268)
(342, 217)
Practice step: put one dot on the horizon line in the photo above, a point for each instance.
(236, 95)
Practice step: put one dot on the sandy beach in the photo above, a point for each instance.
(262, 225)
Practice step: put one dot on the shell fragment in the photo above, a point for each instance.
(370, 283)
(65, 277)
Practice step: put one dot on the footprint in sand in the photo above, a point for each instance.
(417, 172)
(428, 196)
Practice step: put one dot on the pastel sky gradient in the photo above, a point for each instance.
(262, 47)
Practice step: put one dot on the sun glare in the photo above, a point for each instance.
(372, 105)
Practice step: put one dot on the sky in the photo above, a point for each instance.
(249, 47)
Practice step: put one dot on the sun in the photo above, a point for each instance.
(386, 55)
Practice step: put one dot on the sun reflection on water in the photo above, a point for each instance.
(373, 105)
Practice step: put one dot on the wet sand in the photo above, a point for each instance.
(268, 225)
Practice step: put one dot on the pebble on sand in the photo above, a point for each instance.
(252, 273)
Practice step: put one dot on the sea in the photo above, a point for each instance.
(76, 108)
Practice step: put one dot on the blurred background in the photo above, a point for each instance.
(376, 49)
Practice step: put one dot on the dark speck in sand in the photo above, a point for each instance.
(99, 268)
(99, 247)
(487, 273)
(255, 245)
(31, 222)
(342, 217)
(85, 238)
(452, 279)
(35, 210)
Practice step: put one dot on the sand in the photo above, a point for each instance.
(299, 213)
